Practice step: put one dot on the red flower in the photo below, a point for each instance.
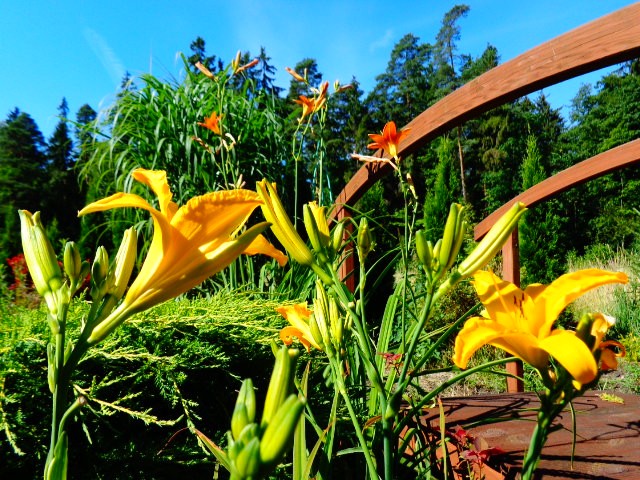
(212, 123)
(388, 140)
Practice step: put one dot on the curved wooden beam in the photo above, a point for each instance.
(606, 41)
(594, 167)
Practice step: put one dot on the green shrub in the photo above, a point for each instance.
(175, 366)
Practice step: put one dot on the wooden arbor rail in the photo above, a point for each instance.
(606, 41)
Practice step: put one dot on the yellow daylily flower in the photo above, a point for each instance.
(190, 243)
(299, 317)
(520, 322)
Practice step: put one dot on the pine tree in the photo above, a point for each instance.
(62, 185)
(447, 77)
(265, 74)
(406, 88)
(22, 166)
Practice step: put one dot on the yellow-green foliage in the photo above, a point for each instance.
(176, 365)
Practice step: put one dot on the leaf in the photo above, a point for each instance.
(610, 397)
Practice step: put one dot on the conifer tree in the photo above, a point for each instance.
(64, 199)
(22, 167)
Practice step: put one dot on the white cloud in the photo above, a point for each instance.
(107, 56)
(382, 42)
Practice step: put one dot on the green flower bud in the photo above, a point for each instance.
(280, 384)
(247, 462)
(492, 242)
(337, 237)
(124, 263)
(424, 250)
(365, 239)
(313, 225)
(99, 273)
(52, 373)
(41, 259)
(72, 262)
(278, 436)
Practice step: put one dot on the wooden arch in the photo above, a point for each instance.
(606, 41)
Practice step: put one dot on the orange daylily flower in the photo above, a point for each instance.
(609, 356)
(190, 243)
(212, 123)
(298, 316)
(388, 140)
(520, 322)
(312, 105)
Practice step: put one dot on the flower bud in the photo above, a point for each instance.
(316, 225)
(72, 262)
(278, 436)
(336, 324)
(124, 263)
(337, 237)
(41, 259)
(492, 242)
(281, 225)
(100, 273)
(365, 239)
(424, 250)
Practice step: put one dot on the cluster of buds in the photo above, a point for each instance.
(109, 281)
(325, 244)
(254, 449)
(43, 266)
(438, 259)
(323, 327)
(326, 322)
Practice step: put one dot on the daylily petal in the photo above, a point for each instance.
(157, 181)
(298, 316)
(572, 353)
(262, 245)
(546, 304)
(216, 215)
(478, 331)
(502, 301)
(189, 243)
(608, 357)
(115, 201)
(601, 324)
(288, 333)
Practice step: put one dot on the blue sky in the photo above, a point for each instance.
(80, 50)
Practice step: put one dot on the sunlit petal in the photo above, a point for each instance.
(572, 353)
(189, 243)
(548, 303)
(116, 200)
(501, 299)
(156, 180)
(261, 245)
(287, 334)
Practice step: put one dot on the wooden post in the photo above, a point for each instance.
(347, 269)
(511, 273)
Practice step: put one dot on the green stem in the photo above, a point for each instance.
(550, 407)
(371, 466)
